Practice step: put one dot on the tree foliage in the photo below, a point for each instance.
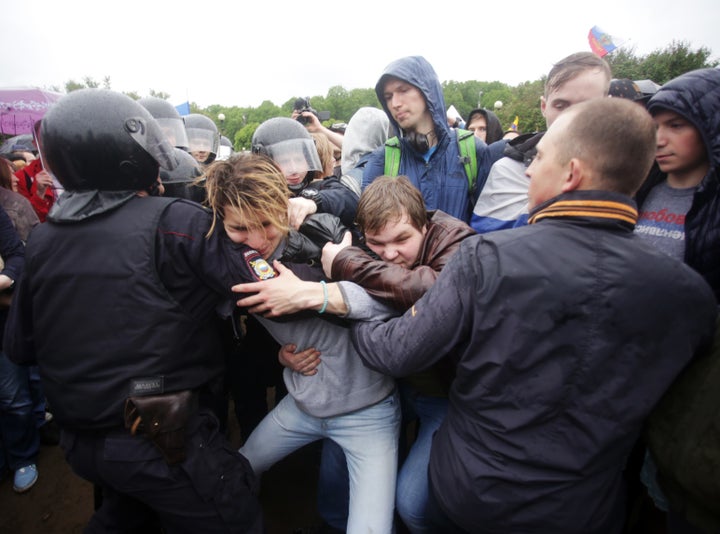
(661, 65)
(522, 100)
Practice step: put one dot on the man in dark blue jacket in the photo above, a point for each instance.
(411, 95)
(566, 334)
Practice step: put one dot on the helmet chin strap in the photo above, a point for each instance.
(296, 188)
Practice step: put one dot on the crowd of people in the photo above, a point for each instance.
(486, 332)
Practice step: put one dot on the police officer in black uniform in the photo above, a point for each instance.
(116, 306)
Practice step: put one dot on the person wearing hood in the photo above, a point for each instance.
(367, 130)
(679, 207)
(411, 95)
(687, 163)
(485, 125)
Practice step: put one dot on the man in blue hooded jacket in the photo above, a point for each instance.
(411, 95)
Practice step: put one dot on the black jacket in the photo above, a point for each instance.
(696, 97)
(127, 293)
(567, 332)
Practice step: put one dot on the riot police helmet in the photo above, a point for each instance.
(101, 139)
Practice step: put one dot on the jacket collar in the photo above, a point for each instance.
(588, 205)
(74, 206)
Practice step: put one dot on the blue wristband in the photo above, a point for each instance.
(325, 297)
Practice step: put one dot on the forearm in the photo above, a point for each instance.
(432, 328)
(334, 137)
(313, 296)
(392, 283)
(361, 306)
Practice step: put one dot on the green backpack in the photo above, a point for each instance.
(466, 144)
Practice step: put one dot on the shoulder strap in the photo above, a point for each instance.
(468, 155)
(392, 156)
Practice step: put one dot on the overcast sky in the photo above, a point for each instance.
(241, 53)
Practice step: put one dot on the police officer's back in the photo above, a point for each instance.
(116, 307)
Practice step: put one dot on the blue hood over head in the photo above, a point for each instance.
(417, 71)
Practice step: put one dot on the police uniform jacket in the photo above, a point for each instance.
(119, 301)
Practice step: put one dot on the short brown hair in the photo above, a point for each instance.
(569, 67)
(616, 137)
(250, 184)
(386, 199)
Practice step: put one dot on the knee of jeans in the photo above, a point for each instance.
(412, 513)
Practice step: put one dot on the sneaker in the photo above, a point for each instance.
(25, 478)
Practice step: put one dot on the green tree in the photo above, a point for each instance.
(660, 65)
(524, 103)
(453, 94)
(88, 83)
(243, 137)
(522, 100)
(625, 64)
(72, 85)
(159, 94)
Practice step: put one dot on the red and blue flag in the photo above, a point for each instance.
(601, 43)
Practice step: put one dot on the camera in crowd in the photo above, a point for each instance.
(303, 104)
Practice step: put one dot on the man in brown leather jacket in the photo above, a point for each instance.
(411, 246)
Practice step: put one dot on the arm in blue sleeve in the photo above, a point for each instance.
(339, 200)
(487, 155)
(375, 166)
(440, 321)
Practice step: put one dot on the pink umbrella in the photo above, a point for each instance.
(20, 107)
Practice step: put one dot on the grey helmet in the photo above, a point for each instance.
(290, 146)
(169, 120)
(203, 136)
(225, 150)
(179, 182)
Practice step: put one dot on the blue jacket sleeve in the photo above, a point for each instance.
(339, 200)
(414, 342)
(486, 156)
(375, 166)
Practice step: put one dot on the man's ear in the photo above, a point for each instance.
(575, 176)
(543, 105)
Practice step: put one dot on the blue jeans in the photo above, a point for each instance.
(18, 434)
(369, 438)
(412, 483)
(37, 395)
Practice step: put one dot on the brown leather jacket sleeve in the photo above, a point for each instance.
(398, 286)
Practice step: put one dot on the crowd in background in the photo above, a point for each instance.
(537, 308)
